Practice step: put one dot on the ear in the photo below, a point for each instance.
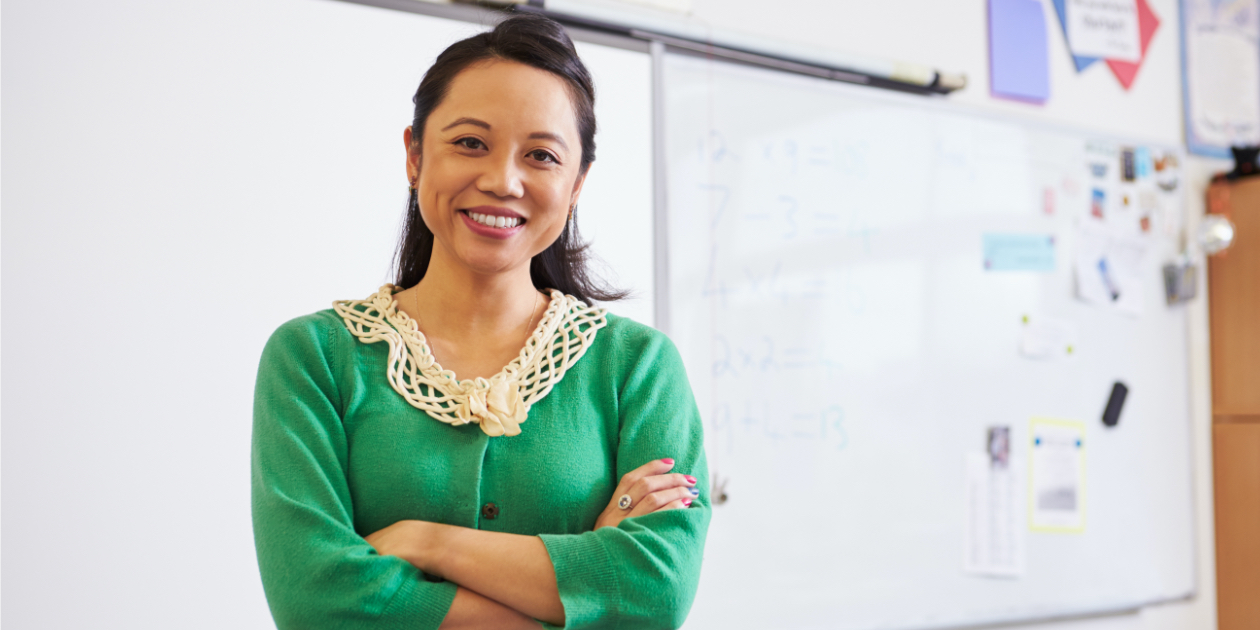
(412, 146)
(577, 186)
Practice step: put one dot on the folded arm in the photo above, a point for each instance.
(640, 571)
(514, 570)
(510, 569)
(474, 611)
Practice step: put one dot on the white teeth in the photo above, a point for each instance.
(493, 221)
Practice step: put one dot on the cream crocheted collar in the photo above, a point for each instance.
(499, 404)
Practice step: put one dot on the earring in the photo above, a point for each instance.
(412, 187)
(571, 209)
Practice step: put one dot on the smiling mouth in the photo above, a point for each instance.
(492, 221)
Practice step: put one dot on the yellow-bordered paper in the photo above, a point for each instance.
(1056, 475)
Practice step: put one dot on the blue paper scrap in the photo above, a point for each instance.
(1018, 252)
(1060, 7)
(1145, 166)
(1019, 58)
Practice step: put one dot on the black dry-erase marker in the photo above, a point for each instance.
(1111, 415)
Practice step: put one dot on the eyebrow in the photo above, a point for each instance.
(544, 135)
(468, 121)
(537, 135)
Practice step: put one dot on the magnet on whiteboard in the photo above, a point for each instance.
(1111, 415)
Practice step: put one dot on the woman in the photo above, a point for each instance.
(420, 483)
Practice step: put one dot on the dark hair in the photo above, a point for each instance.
(536, 41)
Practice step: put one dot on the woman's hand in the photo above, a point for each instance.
(405, 539)
(650, 490)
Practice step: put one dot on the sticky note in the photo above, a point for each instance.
(1018, 252)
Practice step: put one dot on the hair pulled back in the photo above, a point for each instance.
(537, 41)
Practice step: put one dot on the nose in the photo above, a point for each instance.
(502, 176)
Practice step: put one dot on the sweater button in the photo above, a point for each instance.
(490, 511)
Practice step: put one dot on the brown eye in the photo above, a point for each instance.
(543, 156)
(470, 143)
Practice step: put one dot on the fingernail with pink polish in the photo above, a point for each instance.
(689, 478)
(668, 461)
(687, 502)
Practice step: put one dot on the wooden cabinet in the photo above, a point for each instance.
(1234, 305)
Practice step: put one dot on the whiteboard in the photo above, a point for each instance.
(848, 349)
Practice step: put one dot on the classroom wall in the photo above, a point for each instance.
(952, 36)
(180, 179)
(70, 66)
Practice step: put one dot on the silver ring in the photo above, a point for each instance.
(624, 502)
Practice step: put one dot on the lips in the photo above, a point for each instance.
(492, 222)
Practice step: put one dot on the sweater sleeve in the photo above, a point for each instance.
(643, 573)
(317, 571)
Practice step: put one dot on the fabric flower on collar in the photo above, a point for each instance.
(496, 405)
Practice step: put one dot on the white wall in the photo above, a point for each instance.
(952, 36)
(181, 178)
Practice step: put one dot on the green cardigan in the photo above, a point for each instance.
(338, 454)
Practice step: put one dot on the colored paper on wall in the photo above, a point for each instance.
(1125, 71)
(1019, 63)
(1018, 252)
(1060, 8)
(1104, 29)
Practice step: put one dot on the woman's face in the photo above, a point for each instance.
(497, 169)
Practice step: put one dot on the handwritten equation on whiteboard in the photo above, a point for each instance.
(803, 274)
(800, 300)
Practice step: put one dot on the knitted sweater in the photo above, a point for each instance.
(337, 455)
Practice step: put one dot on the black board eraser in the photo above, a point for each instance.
(1111, 415)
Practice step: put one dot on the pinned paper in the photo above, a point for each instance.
(995, 539)
(1143, 162)
(1019, 59)
(1057, 483)
(1220, 58)
(1098, 203)
(1108, 270)
(1047, 339)
(1018, 252)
